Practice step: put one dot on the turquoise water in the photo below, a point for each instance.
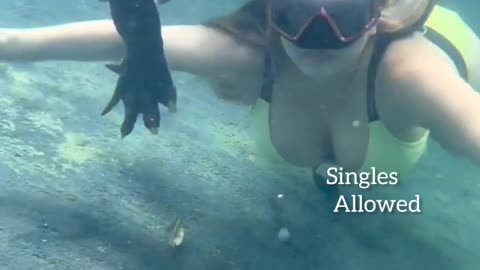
(75, 196)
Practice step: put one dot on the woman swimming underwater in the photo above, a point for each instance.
(353, 83)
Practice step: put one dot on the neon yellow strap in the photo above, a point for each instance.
(451, 26)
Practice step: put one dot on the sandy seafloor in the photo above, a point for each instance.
(75, 196)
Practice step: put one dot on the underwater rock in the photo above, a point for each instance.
(283, 235)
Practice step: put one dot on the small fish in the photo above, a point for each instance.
(177, 234)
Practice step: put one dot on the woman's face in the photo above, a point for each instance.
(320, 64)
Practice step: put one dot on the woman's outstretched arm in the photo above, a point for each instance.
(233, 67)
(195, 49)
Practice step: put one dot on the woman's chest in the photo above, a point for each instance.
(309, 128)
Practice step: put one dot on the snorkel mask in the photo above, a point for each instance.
(323, 24)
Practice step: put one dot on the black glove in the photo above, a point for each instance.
(145, 79)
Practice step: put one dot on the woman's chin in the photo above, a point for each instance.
(320, 74)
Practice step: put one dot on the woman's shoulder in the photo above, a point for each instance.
(430, 30)
(412, 58)
(248, 23)
(405, 50)
(419, 51)
(406, 65)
